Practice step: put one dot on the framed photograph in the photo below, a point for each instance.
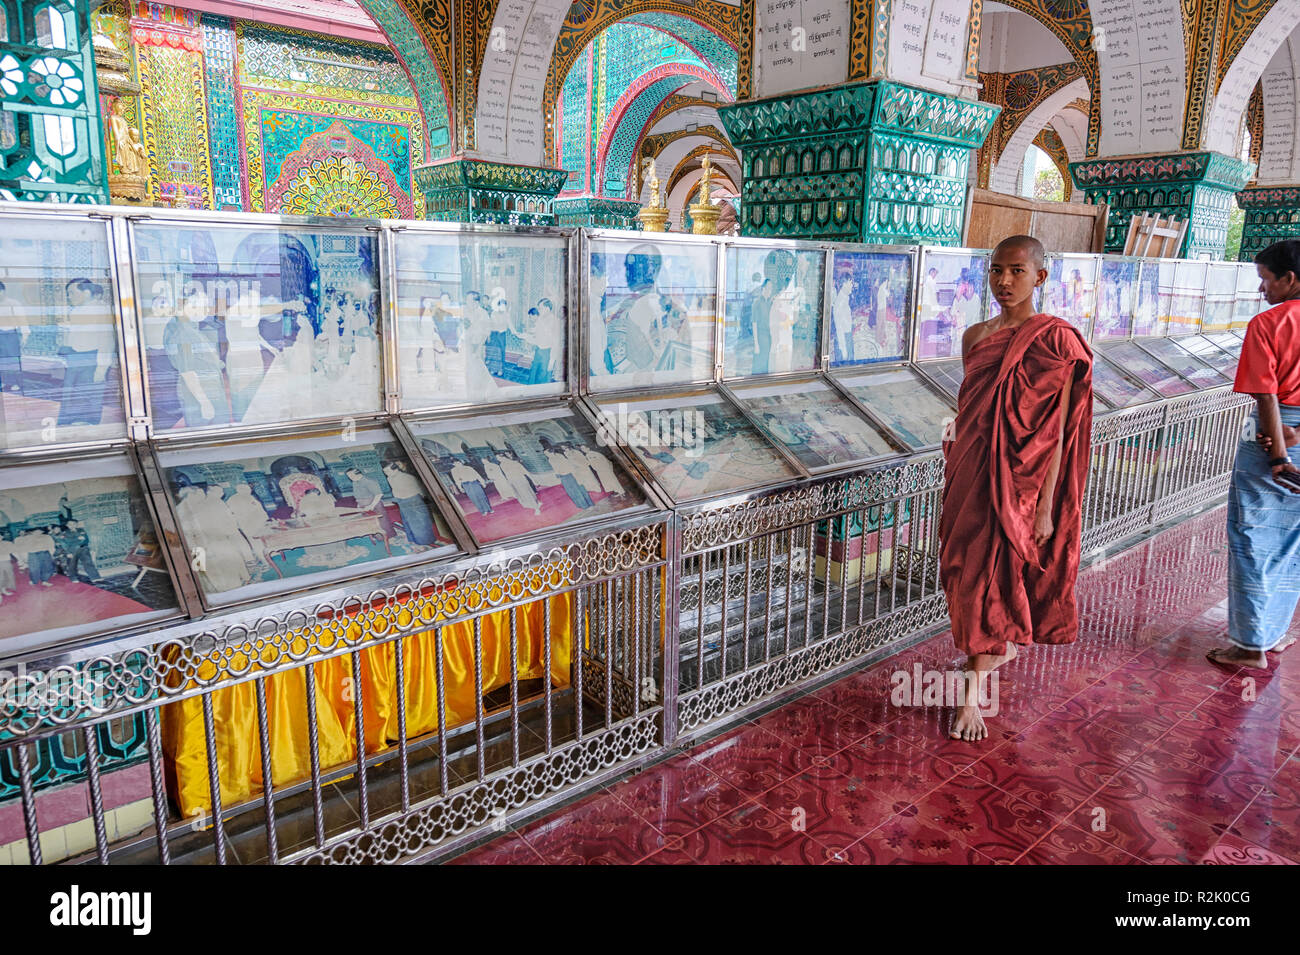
(1154, 290)
(871, 301)
(1132, 359)
(901, 400)
(266, 516)
(1117, 388)
(651, 312)
(814, 422)
(1071, 289)
(480, 318)
(1170, 352)
(525, 472)
(1249, 300)
(257, 324)
(951, 300)
(1222, 360)
(948, 375)
(1116, 292)
(60, 377)
(1187, 299)
(774, 310)
(696, 445)
(77, 556)
(1220, 297)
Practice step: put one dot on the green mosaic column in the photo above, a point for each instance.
(875, 162)
(475, 190)
(51, 130)
(1195, 186)
(1272, 214)
(597, 212)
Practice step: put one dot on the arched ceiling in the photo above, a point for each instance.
(1279, 159)
(1005, 173)
(1223, 131)
(1011, 41)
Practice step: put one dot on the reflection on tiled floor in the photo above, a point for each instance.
(1126, 748)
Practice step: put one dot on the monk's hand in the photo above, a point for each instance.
(1043, 526)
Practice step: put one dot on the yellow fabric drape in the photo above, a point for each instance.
(235, 707)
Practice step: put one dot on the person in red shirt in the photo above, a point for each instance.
(1264, 495)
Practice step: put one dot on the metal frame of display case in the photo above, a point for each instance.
(722, 602)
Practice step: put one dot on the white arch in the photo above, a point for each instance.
(1072, 126)
(1011, 40)
(1005, 173)
(1279, 159)
(677, 200)
(676, 151)
(1223, 127)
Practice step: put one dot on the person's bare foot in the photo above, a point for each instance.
(1236, 656)
(1286, 642)
(969, 725)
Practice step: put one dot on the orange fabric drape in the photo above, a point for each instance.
(235, 708)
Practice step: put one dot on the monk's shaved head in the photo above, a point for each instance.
(1028, 244)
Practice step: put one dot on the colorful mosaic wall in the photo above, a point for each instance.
(245, 116)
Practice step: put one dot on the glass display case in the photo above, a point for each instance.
(78, 554)
(1186, 297)
(901, 400)
(951, 290)
(948, 375)
(813, 422)
(60, 374)
(1116, 294)
(1071, 289)
(695, 444)
(773, 322)
(267, 516)
(1220, 297)
(1116, 387)
(651, 311)
(871, 300)
(1162, 380)
(1220, 359)
(481, 318)
(525, 472)
(1172, 352)
(1250, 300)
(1154, 291)
(247, 325)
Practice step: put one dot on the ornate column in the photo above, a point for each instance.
(876, 161)
(128, 163)
(478, 190)
(1272, 214)
(1195, 186)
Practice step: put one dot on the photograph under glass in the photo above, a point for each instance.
(774, 310)
(871, 300)
(1220, 297)
(1169, 352)
(695, 445)
(1150, 317)
(1117, 389)
(77, 556)
(257, 325)
(951, 300)
(651, 312)
(1187, 299)
(903, 402)
(1162, 380)
(1115, 290)
(264, 516)
(526, 471)
(814, 422)
(1071, 289)
(480, 318)
(60, 380)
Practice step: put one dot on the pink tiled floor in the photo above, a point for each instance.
(1124, 748)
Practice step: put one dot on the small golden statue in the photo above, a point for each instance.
(654, 214)
(131, 182)
(704, 214)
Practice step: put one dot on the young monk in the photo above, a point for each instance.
(1014, 476)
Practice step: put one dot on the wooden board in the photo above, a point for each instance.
(1060, 226)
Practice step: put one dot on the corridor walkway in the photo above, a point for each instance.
(1125, 748)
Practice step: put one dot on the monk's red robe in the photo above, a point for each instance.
(1000, 585)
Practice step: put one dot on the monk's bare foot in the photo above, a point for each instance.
(1286, 642)
(1237, 657)
(969, 725)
